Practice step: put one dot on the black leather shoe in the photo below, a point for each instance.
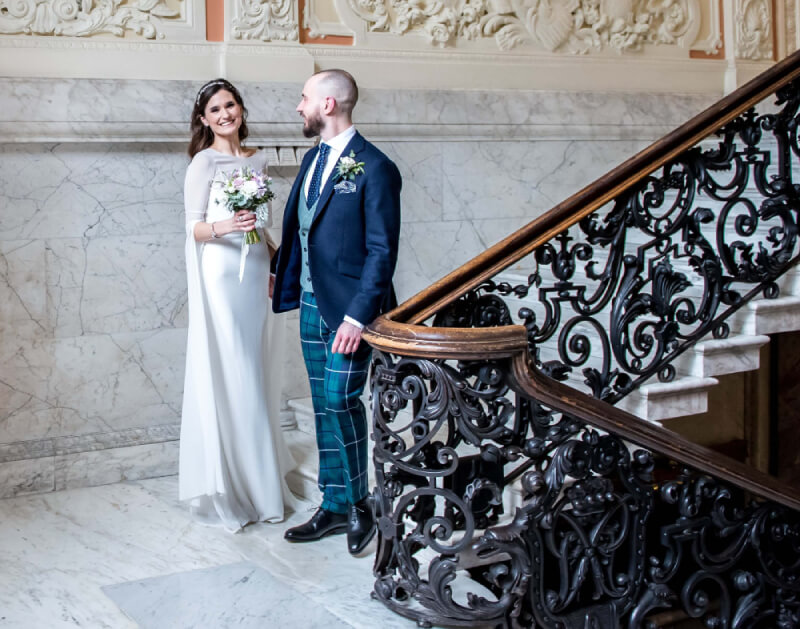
(360, 526)
(322, 523)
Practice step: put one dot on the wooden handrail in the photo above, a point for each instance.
(522, 242)
(401, 331)
(511, 342)
(649, 435)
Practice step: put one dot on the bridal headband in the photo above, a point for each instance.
(211, 84)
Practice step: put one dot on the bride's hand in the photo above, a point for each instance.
(243, 221)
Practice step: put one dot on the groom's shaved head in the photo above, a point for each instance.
(341, 86)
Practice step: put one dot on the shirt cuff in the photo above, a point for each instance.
(359, 325)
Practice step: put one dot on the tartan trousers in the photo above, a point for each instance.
(337, 381)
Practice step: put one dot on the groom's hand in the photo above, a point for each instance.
(348, 336)
(271, 284)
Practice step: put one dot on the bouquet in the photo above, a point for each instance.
(247, 189)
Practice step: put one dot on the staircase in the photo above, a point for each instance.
(699, 368)
(514, 486)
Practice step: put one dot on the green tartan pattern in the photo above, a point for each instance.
(337, 381)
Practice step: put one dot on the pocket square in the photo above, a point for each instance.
(345, 186)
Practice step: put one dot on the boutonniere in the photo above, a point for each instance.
(348, 167)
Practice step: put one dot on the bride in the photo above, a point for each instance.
(233, 460)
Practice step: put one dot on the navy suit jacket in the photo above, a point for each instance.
(352, 243)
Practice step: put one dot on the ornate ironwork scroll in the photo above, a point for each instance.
(663, 265)
(497, 510)
(601, 535)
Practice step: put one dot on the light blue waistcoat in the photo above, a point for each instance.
(305, 216)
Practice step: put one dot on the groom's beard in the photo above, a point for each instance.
(312, 127)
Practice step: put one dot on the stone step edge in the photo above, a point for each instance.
(667, 400)
(718, 357)
(769, 316)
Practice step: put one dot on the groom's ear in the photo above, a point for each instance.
(329, 105)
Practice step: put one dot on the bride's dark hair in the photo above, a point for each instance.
(202, 136)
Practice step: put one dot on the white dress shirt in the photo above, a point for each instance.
(337, 145)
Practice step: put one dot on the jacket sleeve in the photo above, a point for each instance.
(382, 236)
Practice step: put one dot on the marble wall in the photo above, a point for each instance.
(92, 287)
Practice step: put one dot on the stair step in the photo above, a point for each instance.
(302, 442)
(717, 357)
(665, 400)
(769, 316)
(287, 419)
(303, 479)
(790, 282)
(303, 411)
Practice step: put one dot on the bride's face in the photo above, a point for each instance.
(223, 114)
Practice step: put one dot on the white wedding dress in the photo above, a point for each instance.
(233, 459)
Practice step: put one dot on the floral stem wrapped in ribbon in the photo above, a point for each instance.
(251, 190)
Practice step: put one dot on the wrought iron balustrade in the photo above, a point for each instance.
(506, 498)
(663, 264)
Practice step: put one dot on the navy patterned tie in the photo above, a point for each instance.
(316, 179)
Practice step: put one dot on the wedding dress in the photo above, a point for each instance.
(233, 459)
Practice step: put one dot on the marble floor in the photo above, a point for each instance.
(127, 555)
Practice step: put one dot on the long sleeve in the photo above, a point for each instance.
(198, 424)
(382, 232)
(196, 189)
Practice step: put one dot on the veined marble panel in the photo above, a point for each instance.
(158, 111)
(52, 446)
(133, 284)
(72, 190)
(522, 179)
(88, 384)
(430, 250)
(23, 297)
(237, 595)
(60, 549)
(27, 476)
(45, 465)
(420, 164)
(101, 467)
(92, 281)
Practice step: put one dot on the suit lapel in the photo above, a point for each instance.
(356, 144)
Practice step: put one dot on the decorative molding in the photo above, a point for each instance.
(318, 28)
(266, 20)
(78, 18)
(572, 26)
(56, 446)
(713, 43)
(285, 147)
(791, 12)
(133, 59)
(753, 20)
(169, 47)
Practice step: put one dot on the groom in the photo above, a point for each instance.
(341, 228)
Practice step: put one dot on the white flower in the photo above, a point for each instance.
(250, 188)
(348, 167)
